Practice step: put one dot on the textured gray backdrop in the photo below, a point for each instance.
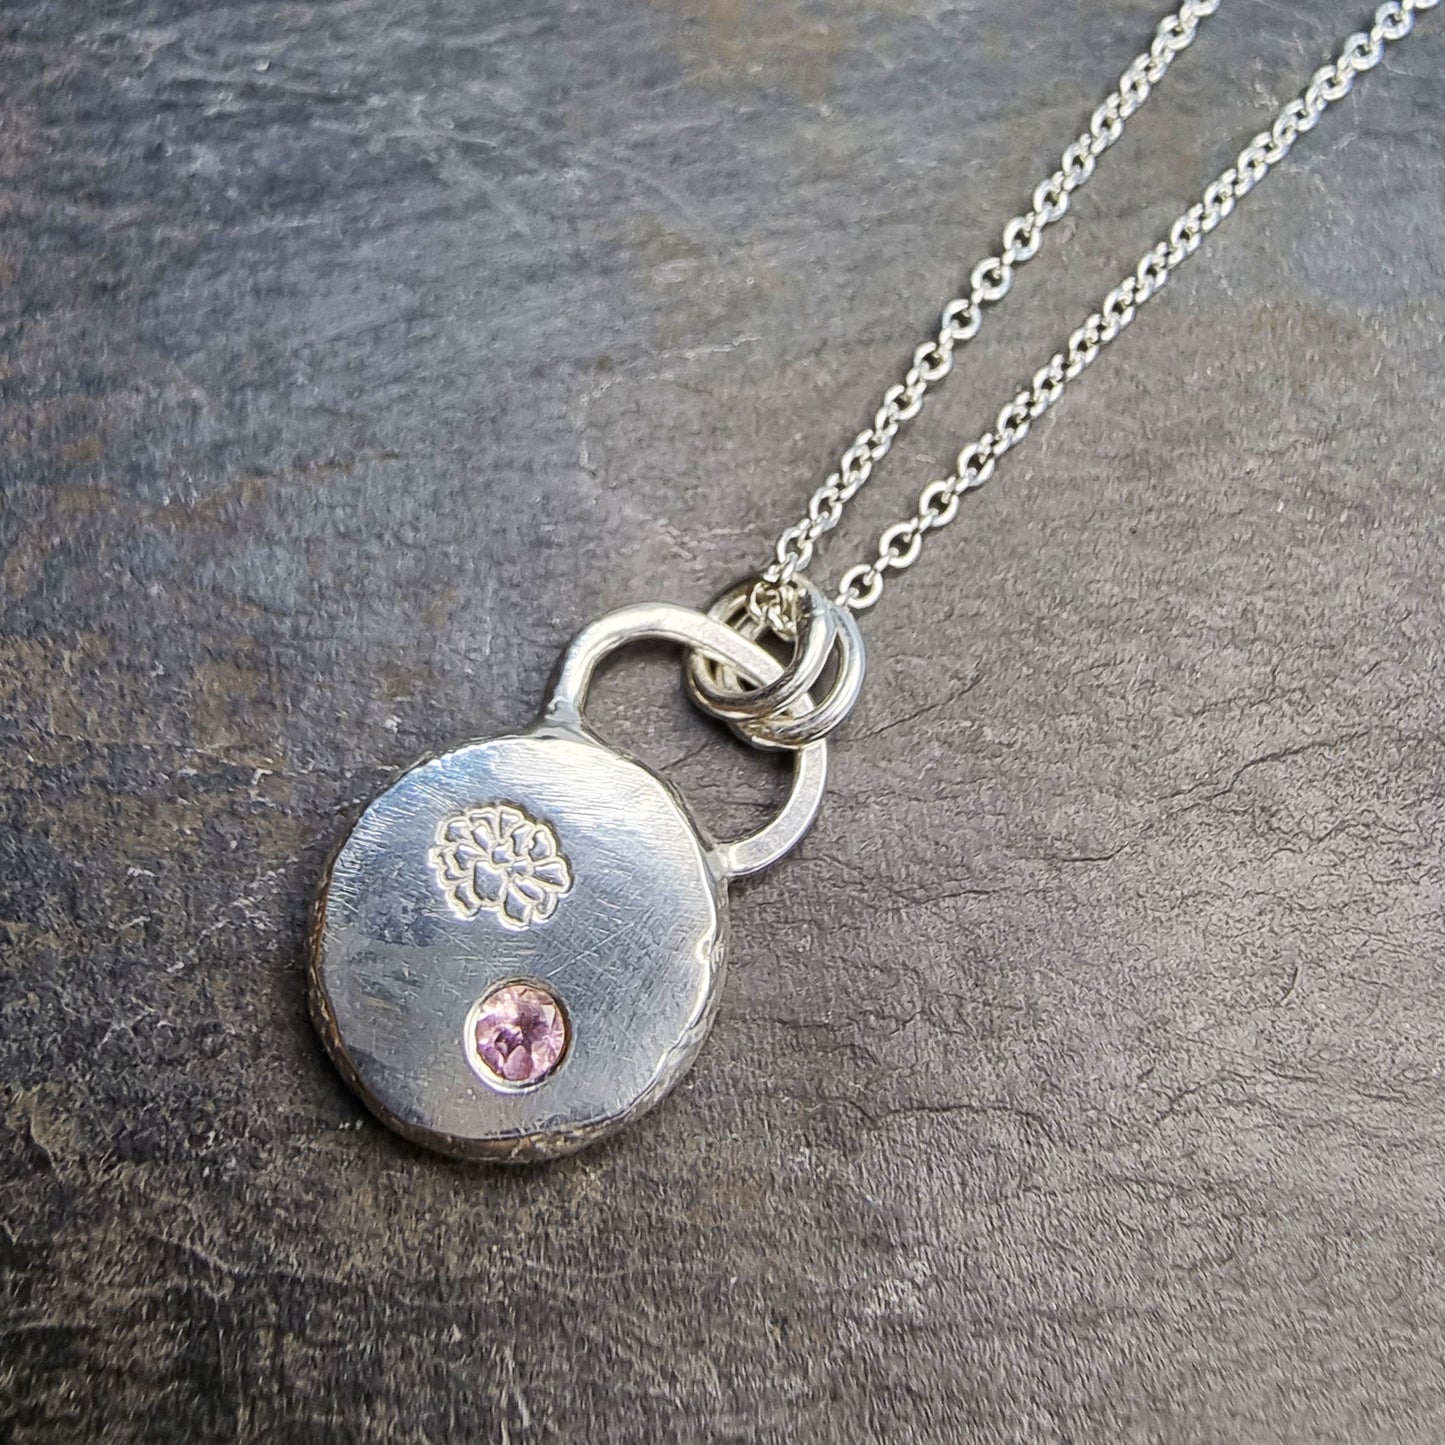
(1080, 1079)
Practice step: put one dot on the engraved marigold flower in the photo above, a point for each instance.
(496, 859)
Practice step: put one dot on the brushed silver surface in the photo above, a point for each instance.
(545, 856)
(633, 950)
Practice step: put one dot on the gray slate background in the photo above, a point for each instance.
(1080, 1079)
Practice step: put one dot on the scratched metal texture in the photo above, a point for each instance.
(1079, 1080)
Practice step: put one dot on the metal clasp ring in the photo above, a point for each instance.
(781, 714)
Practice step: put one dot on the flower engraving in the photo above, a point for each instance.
(495, 859)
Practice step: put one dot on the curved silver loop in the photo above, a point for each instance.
(697, 630)
(809, 722)
(815, 631)
(801, 721)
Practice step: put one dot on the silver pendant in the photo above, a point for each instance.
(519, 946)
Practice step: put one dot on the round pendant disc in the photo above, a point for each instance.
(518, 948)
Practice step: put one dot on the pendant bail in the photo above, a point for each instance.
(781, 714)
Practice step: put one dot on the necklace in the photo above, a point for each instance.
(520, 944)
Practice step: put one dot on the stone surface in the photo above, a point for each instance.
(520, 1033)
(355, 354)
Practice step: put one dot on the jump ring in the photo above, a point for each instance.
(815, 630)
(795, 729)
(782, 715)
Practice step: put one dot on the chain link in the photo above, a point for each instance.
(990, 281)
(899, 546)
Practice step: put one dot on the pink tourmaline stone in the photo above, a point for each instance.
(520, 1033)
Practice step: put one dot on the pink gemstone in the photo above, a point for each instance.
(520, 1033)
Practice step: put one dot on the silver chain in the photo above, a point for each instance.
(899, 546)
